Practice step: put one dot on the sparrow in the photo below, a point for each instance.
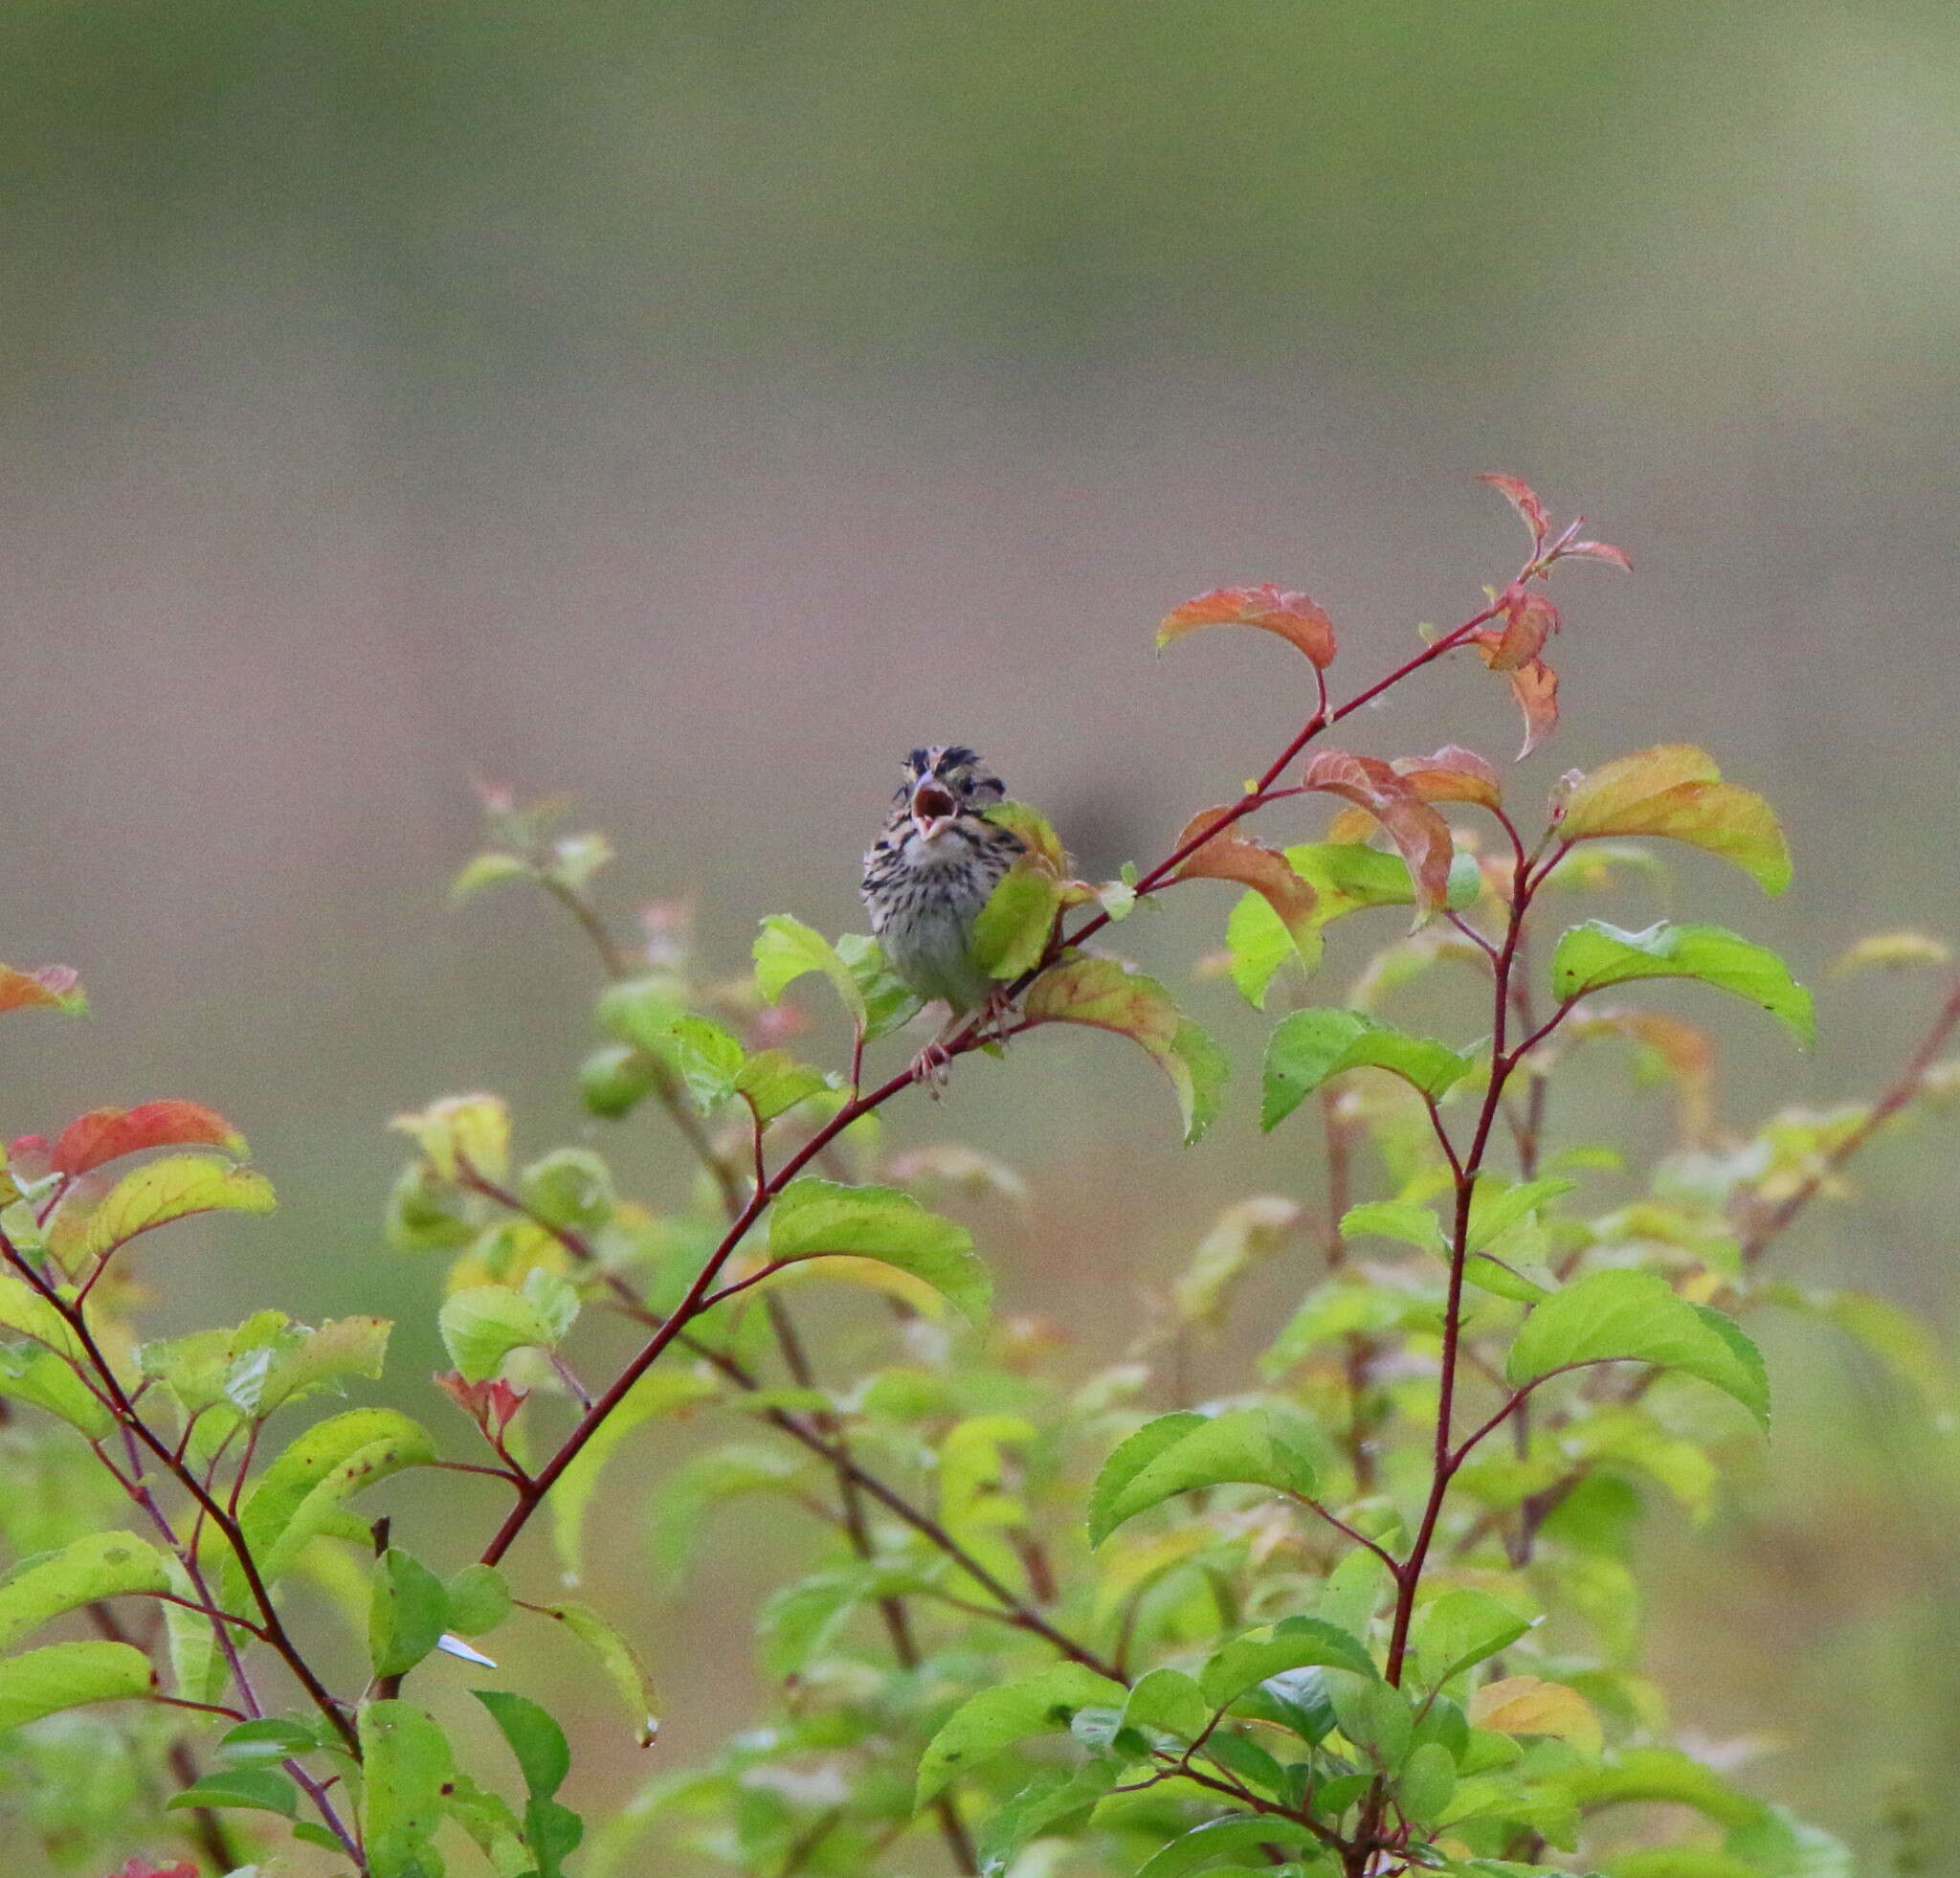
(926, 877)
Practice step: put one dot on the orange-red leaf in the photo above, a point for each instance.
(1530, 620)
(1523, 497)
(105, 1135)
(1534, 685)
(51, 988)
(1233, 857)
(1420, 835)
(142, 1869)
(1293, 616)
(1599, 551)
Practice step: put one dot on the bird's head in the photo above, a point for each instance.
(945, 784)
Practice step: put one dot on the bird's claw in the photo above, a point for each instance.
(929, 1068)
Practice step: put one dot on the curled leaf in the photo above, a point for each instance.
(1107, 993)
(1292, 617)
(1534, 684)
(1598, 551)
(1420, 835)
(1530, 620)
(1523, 497)
(1228, 856)
(106, 1134)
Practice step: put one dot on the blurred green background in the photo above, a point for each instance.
(695, 404)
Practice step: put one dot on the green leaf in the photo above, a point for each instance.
(1050, 1805)
(1341, 1308)
(542, 1755)
(1398, 1220)
(814, 1218)
(1635, 1316)
(255, 1789)
(479, 1598)
(974, 1503)
(173, 1188)
(1373, 1715)
(1295, 1644)
(1040, 1703)
(1681, 1862)
(59, 1676)
(269, 1740)
(570, 1186)
(1235, 1834)
(1676, 791)
(483, 1324)
(551, 1831)
(98, 1565)
(486, 870)
(615, 1080)
(786, 950)
(1427, 1782)
(408, 1610)
(772, 1083)
(1011, 930)
(620, 1662)
(802, 1620)
(707, 1056)
(42, 1379)
(659, 1392)
(1105, 993)
(1592, 956)
(1662, 1775)
(473, 1129)
(303, 1492)
(1240, 1236)
(25, 1310)
(639, 1012)
(1177, 1453)
(1462, 1628)
(1496, 1205)
(1167, 1699)
(1309, 1046)
(404, 1765)
(1259, 943)
(889, 1002)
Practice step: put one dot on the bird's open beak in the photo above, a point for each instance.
(932, 807)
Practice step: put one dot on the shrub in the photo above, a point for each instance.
(1370, 1611)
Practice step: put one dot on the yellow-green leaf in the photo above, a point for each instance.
(1676, 791)
(172, 1188)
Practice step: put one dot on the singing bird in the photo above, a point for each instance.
(929, 873)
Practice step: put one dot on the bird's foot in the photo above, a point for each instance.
(929, 1068)
(991, 1024)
